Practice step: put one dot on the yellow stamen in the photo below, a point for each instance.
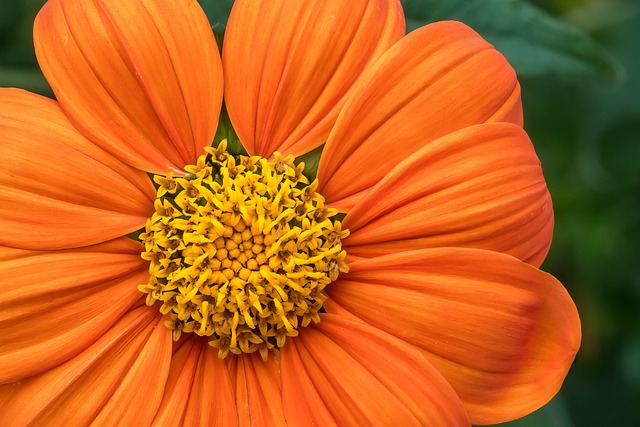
(240, 251)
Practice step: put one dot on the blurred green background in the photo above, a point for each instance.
(579, 65)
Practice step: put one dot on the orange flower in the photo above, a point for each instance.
(443, 317)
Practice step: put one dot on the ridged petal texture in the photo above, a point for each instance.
(289, 64)
(199, 390)
(204, 390)
(479, 187)
(343, 372)
(118, 380)
(140, 78)
(62, 300)
(57, 189)
(257, 391)
(438, 79)
(502, 332)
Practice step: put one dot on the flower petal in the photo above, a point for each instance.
(182, 372)
(58, 190)
(142, 79)
(199, 390)
(62, 300)
(257, 391)
(286, 78)
(502, 332)
(438, 79)
(345, 372)
(480, 187)
(124, 369)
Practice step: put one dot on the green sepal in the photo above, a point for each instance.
(217, 10)
(226, 131)
(311, 162)
(135, 235)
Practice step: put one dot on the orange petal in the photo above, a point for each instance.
(480, 187)
(57, 189)
(502, 332)
(438, 79)
(199, 390)
(117, 381)
(288, 66)
(345, 372)
(211, 398)
(257, 391)
(144, 81)
(182, 372)
(62, 302)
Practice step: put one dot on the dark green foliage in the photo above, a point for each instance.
(536, 44)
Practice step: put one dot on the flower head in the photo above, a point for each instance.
(237, 286)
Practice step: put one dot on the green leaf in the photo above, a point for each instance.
(536, 44)
(217, 10)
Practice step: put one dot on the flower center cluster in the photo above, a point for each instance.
(240, 251)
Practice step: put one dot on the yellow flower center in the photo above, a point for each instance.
(240, 251)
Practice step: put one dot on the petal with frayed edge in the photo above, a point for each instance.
(480, 187)
(199, 390)
(53, 305)
(345, 372)
(286, 78)
(57, 189)
(438, 79)
(126, 368)
(502, 332)
(141, 80)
